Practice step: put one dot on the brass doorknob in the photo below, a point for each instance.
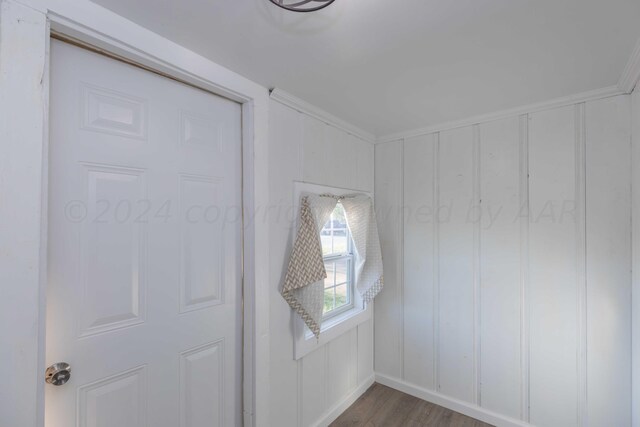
(58, 373)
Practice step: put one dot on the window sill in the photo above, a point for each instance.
(305, 342)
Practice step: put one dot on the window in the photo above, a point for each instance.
(337, 251)
(344, 308)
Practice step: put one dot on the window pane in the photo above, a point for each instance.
(329, 302)
(342, 296)
(340, 245)
(336, 248)
(341, 268)
(330, 280)
(334, 234)
(326, 242)
(339, 216)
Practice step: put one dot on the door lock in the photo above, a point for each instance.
(58, 373)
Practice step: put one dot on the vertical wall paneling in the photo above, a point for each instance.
(635, 289)
(523, 222)
(500, 264)
(364, 164)
(338, 170)
(475, 217)
(387, 327)
(552, 255)
(354, 359)
(339, 372)
(326, 390)
(515, 286)
(314, 380)
(436, 262)
(365, 348)
(303, 148)
(401, 299)
(581, 279)
(608, 246)
(299, 391)
(314, 153)
(285, 133)
(456, 232)
(420, 209)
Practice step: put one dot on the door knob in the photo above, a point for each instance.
(58, 373)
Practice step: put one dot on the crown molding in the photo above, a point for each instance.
(304, 107)
(498, 115)
(631, 74)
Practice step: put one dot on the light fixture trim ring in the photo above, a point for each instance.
(301, 5)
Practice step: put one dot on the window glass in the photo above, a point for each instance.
(338, 261)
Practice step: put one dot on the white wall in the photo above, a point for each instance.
(500, 313)
(303, 148)
(22, 155)
(326, 377)
(24, 27)
(635, 351)
(317, 377)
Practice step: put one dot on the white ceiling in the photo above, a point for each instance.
(395, 65)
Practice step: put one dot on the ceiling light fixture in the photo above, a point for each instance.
(302, 5)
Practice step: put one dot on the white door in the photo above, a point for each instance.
(143, 297)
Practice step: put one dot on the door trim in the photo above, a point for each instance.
(60, 29)
(95, 26)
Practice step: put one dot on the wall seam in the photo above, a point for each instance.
(326, 377)
(401, 263)
(301, 151)
(436, 262)
(581, 277)
(378, 216)
(299, 371)
(477, 201)
(357, 358)
(353, 356)
(635, 419)
(524, 269)
(300, 118)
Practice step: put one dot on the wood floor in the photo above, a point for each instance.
(381, 406)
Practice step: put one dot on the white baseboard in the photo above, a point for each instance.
(465, 408)
(334, 412)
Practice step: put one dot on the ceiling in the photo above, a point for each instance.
(394, 65)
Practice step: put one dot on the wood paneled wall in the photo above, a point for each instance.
(303, 148)
(635, 186)
(507, 250)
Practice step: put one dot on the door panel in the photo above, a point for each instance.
(200, 244)
(143, 295)
(112, 254)
(124, 392)
(201, 371)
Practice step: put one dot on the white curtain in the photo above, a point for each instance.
(361, 219)
(304, 281)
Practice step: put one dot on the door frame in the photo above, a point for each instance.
(32, 24)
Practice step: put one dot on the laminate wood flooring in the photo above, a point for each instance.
(381, 406)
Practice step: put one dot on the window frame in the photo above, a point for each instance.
(334, 257)
(338, 323)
